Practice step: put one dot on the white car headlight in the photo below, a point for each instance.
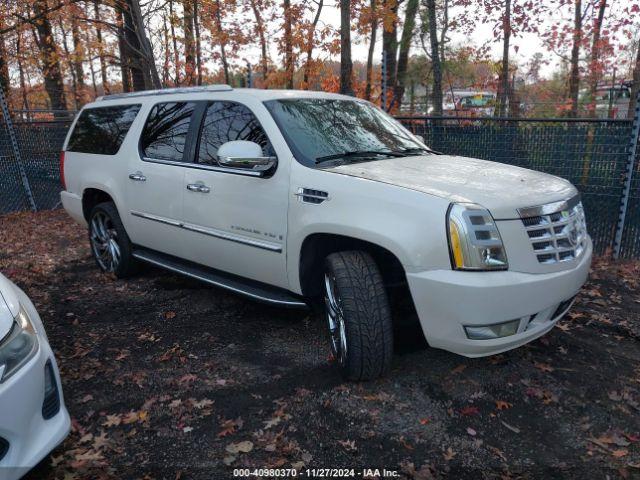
(474, 239)
(18, 347)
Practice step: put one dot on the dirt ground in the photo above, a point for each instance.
(166, 378)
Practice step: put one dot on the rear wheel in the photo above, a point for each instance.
(110, 244)
(358, 315)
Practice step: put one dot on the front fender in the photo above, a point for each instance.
(409, 224)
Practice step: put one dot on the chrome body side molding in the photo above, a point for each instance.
(212, 232)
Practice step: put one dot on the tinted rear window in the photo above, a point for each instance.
(102, 130)
(165, 134)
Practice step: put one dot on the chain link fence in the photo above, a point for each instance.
(39, 143)
(593, 154)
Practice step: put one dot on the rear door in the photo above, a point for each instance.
(156, 175)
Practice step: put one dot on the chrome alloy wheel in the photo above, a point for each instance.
(104, 242)
(335, 319)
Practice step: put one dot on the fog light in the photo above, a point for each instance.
(51, 403)
(498, 330)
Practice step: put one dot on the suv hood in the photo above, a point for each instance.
(499, 187)
(8, 306)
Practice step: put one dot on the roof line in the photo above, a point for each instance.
(167, 91)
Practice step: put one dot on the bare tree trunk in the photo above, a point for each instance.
(125, 70)
(574, 76)
(196, 29)
(53, 81)
(176, 55)
(436, 88)
(4, 63)
(310, 35)
(288, 45)
(445, 29)
(405, 45)
(69, 59)
(78, 52)
(23, 83)
(93, 79)
(263, 42)
(189, 44)
(131, 53)
(372, 45)
(503, 91)
(146, 51)
(390, 50)
(165, 45)
(595, 73)
(139, 52)
(346, 65)
(635, 86)
(223, 43)
(100, 42)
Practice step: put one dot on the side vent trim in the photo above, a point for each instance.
(310, 195)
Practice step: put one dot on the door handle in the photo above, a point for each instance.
(198, 187)
(138, 177)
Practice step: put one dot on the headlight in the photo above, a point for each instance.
(18, 347)
(474, 240)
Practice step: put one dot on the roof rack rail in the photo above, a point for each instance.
(166, 91)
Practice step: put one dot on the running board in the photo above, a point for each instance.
(249, 288)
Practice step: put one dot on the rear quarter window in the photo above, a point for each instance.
(102, 130)
(164, 136)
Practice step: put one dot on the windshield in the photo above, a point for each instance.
(319, 129)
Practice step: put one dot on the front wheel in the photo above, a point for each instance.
(358, 315)
(110, 244)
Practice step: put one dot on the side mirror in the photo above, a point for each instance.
(420, 137)
(244, 155)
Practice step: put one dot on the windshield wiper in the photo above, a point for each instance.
(359, 154)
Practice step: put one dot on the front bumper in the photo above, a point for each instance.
(22, 424)
(448, 300)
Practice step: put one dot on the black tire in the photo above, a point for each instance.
(126, 265)
(365, 312)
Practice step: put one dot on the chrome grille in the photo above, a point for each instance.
(559, 236)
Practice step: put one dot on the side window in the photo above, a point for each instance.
(165, 133)
(102, 130)
(227, 121)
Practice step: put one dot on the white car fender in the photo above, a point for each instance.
(357, 208)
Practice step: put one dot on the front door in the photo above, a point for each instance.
(235, 221)
(154, 189)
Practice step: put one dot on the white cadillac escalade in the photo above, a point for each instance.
(305, 198)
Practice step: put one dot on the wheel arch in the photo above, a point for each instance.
(91, 197)
(317, 246)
